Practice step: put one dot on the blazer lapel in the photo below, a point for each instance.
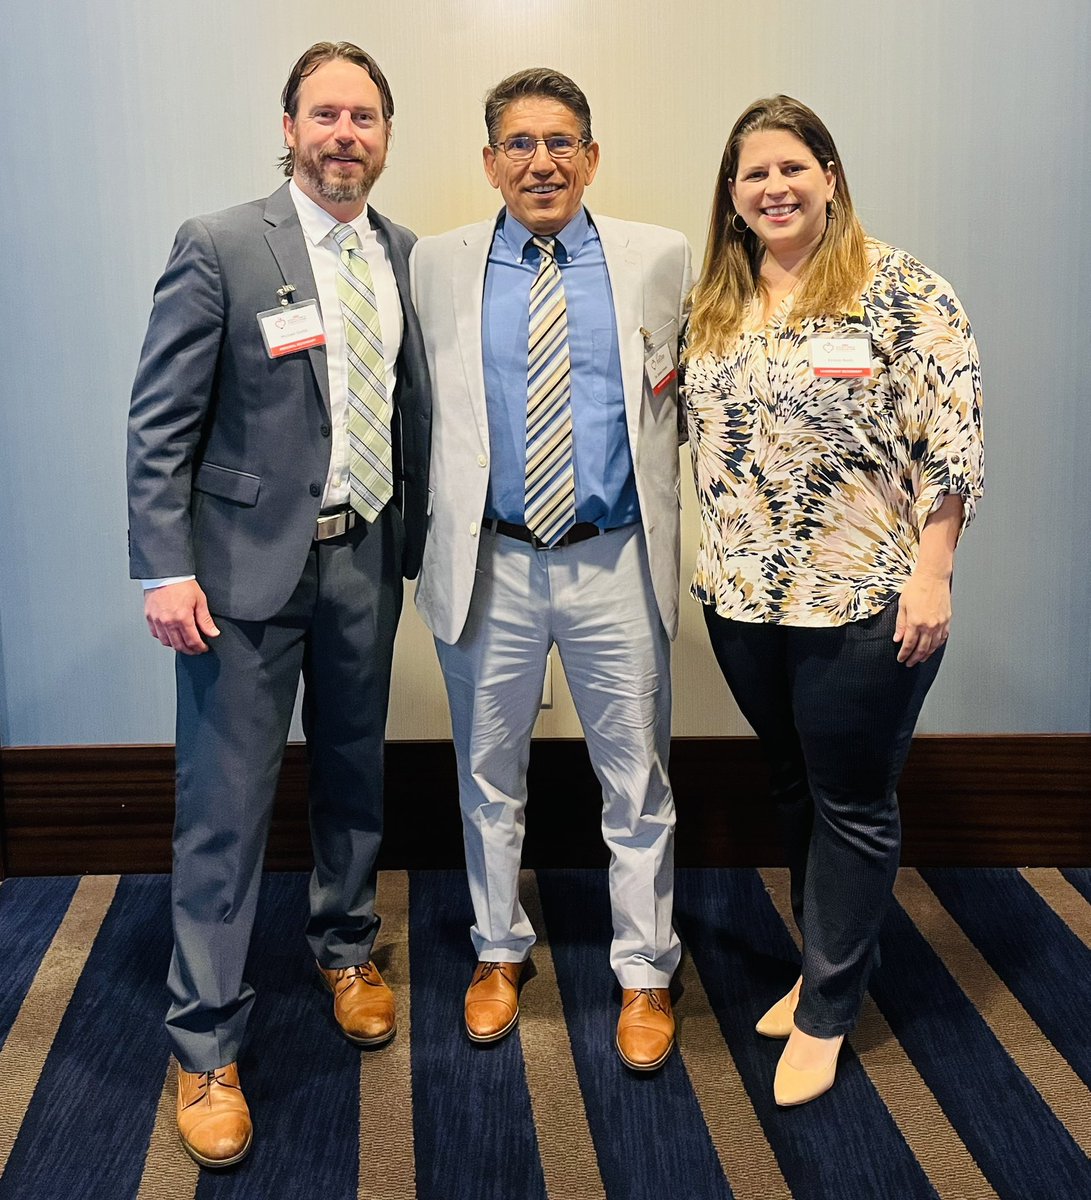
(399, 263)
(467, 298)
(285, 239)
(625, 268)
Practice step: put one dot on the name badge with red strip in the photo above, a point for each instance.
(291, 327)
(660, 369)
(841, 357)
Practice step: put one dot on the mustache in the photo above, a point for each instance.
(344, 154)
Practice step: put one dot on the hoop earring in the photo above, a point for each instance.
(830, 214)
(736, 217)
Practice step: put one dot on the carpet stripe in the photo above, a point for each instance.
(500, 1123)
(1022, 1149)
(87, 1127)
(943, 1155)
(387, 1170)
(30, 911)
(843, 1146)
(1066, 901)
(473, 1125)
(1080, 878)
(747, 1159)
(1040, 960)
(1047, 1070)
(569, 1163)
(32, 1033)
(169, 1173)
(623, 1107)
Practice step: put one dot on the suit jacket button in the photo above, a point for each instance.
(325, 431)
(315, 490)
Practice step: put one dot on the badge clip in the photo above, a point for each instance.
(285, 292)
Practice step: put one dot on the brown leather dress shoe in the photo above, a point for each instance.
(645, 1029)
(362, 1003)
(492, 1000)
(213, 1119)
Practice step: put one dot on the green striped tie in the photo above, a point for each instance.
(550, 503)
(371, 476)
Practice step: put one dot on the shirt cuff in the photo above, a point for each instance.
(148, 584)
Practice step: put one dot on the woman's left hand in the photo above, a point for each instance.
(924, 617)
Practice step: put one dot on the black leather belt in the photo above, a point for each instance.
(333, 524)
(577, 533)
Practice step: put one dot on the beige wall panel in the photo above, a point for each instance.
(963, 128)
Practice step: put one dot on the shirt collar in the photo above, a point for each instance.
(316, 222)
(571, 239)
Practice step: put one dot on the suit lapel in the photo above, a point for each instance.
(467, 298)
(625, 268)
(286, 241)
(399, 263)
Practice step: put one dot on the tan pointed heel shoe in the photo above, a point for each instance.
(778, 1021)
(797, 1085)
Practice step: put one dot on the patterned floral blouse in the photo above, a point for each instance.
(813, 491)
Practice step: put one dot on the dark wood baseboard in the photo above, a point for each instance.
(989, 800)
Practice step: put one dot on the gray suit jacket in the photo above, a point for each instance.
(649, 270)
(229, 449)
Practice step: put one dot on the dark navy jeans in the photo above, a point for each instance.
(834, 711)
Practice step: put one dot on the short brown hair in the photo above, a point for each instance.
(536, 81)
(310, 60)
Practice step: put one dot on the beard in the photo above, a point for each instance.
(337, 182)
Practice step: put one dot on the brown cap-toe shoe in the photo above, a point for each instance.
(645, 1029)
(492, 1000)
(213, 1118)
(362, 1003)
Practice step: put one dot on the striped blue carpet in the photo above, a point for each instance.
(968, 1075)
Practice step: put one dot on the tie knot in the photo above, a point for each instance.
(547, 246)
(346, 237)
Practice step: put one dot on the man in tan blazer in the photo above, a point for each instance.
(551, 338)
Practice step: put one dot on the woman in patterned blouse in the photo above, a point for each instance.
(832, 392)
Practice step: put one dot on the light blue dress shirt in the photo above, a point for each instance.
(605, 484)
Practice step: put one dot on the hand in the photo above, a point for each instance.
(924, 617)
(177, 614)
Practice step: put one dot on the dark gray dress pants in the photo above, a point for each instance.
(234, 711)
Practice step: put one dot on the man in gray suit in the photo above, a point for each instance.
(552, 341)
(278, 452)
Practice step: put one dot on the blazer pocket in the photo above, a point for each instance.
(237, 486)
(664, 334)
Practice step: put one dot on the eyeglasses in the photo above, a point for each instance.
(522, 148)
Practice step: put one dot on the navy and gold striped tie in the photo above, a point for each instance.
(550, 485)
(371, 477)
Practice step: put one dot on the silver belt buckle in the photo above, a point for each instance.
(334, 524)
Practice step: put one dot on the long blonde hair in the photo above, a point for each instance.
(731, 276)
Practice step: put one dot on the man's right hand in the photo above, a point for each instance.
(177, 614)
